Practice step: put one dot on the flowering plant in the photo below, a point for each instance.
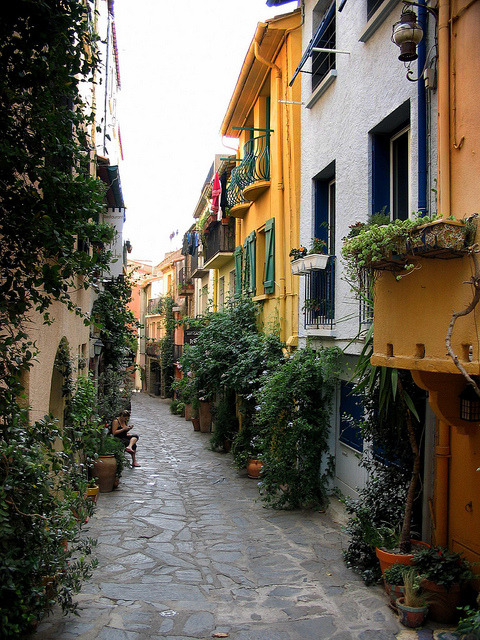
(318, 246)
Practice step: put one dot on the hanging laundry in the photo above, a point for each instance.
(216, 191)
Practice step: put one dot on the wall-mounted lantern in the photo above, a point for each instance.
(406, 34)
(469, 404)
(97, 347)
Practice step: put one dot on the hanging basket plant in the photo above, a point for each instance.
(392, 246)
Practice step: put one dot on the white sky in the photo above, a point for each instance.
(179, 63)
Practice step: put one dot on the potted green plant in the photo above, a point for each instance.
(297, 264)
(316, 258)
(394, 583)
(413, 605)
(444, 573)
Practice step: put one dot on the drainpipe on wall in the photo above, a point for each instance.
(422, 118)
(443, 105)
(442, 450)
(281, 208)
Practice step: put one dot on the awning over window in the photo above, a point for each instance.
(314, 42)
(111, 177)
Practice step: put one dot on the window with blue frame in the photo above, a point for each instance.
(390, 148)
(351, 414)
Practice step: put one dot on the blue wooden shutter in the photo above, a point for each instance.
(238, 270)
(269, 282)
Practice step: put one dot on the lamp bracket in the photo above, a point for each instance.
(432, 10)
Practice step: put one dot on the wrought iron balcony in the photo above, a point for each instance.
(254, 167)
(185, 282)
(319, 309)
(220, 245)
(152, 349)
(154, 306)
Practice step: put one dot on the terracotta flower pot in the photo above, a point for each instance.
(411, 617)
(105, 470)
(442, 603)
(205, 416)
(196, 424)
(387, 559)
(254, 468)
(188, 412)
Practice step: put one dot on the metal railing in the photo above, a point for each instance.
(319, 309)
(184, 277)
(365, 293)
(254, 166)
(221, 238)
(154, 306)
(152, 350)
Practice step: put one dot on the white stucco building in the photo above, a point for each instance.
(365, 149)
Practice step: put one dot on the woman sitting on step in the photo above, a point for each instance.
(121, 429)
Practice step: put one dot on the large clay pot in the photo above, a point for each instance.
(411, 617)
(387, 559)
(442, 603)
(188, 412)
(196, 424)
(105, 471)
(205, 416)
(253, 468)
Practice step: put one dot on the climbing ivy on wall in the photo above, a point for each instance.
(48, 202)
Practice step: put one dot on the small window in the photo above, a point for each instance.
(351, 415)
(391, 164)
(399, 177)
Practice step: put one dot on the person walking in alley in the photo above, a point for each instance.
(121, 429)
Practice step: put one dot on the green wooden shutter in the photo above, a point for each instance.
(251, 279)
(269, 282)
(237, 254)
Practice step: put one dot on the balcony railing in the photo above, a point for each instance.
(154, 306)
(185, 282)
(152, 350)
(220, 244)
(365, 293)
(319, 310)
(254, 166)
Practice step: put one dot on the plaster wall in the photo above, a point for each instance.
(47, 340)
(370, 84)
(282, 198)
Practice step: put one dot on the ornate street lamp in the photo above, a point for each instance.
(406, 34)
(469, 405)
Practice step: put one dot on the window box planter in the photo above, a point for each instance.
(298, 267)
(315, 261)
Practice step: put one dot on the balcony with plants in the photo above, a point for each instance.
(251, 177)
(382, 244)
(185, 282)
(219, 245)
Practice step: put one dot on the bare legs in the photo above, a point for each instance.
(131, 451)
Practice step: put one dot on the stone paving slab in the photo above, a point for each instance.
(186, 550)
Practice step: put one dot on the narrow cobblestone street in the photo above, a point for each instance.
(185, 551)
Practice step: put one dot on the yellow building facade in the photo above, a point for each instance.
(412, 316)
(264, 189)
